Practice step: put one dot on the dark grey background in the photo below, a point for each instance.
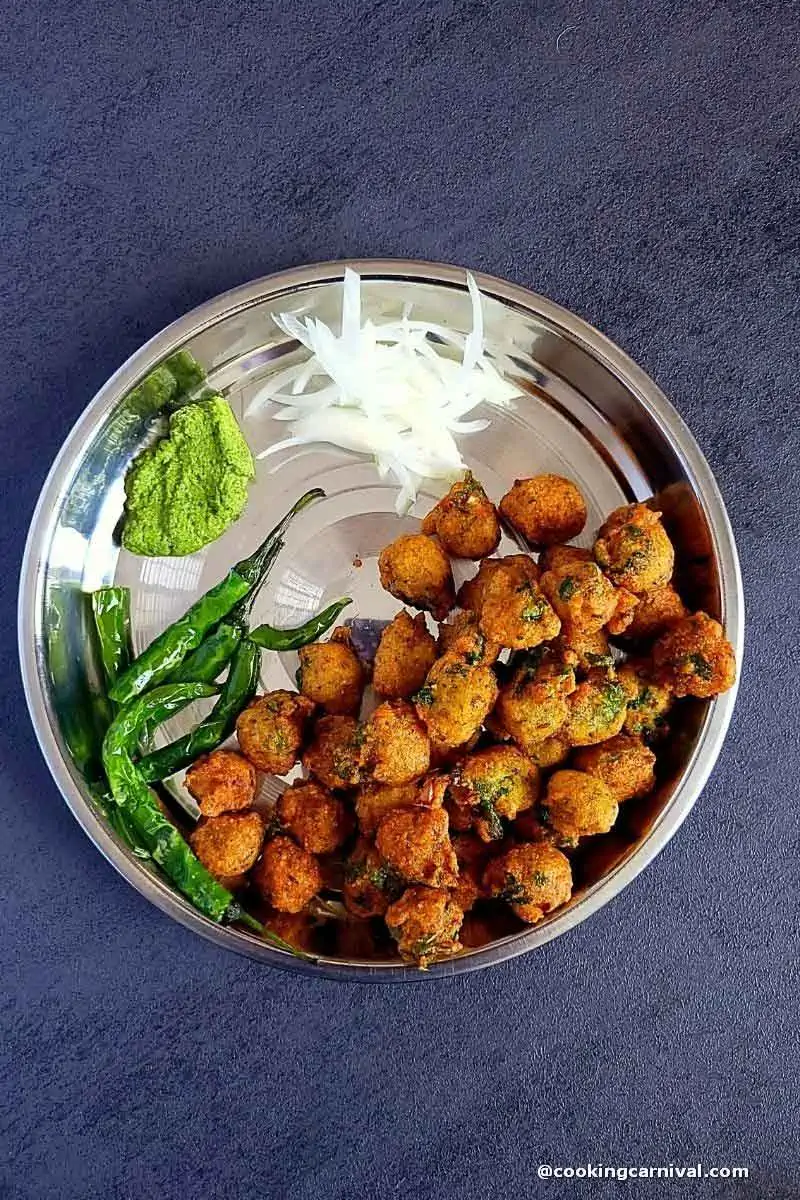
(637, 162)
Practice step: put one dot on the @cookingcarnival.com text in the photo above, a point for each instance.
(623, 1172)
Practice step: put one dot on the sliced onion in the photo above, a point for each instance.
(394, 392)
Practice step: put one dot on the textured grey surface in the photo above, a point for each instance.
(637, 162)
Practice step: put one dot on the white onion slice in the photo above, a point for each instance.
(393, 392)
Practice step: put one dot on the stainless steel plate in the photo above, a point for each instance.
(589, 412)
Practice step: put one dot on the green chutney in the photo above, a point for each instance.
(186, 490)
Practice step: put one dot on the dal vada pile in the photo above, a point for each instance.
(510, 726)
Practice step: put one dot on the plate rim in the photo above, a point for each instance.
(225, 304)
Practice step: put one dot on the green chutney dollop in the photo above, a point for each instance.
(186, 490)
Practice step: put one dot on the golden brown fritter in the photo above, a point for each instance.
(471, 852)
(623, 763)
(222, 781)
(370, 885)
(591, 649)
(334, 755)
(522, 565)
(472, 592)
(515, 613)
(529, 827)
(314, 817)
(465, 521)
(493, 785)
(461, 635)
(331, 675)
(455, 699)
(405, 654)
(546, 509)
(583, 598)
(416, 570)
(444, 756)
(549, 753)
(578, 805)
(233, 883)
(376, 799)
(597, 709)
(693, 657)
(633, 549)
(432, 791)
(532, 705)
(656, 611)
(554, 557)
(472, 855)
(415, 843)
(230, 843)
(466, 891)
(460, 817)
(534, 879)
(271, 730)
(396, 745)
(286, 875)
(647, 700)
(625, 611)
(425, 923)
(298, 929)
